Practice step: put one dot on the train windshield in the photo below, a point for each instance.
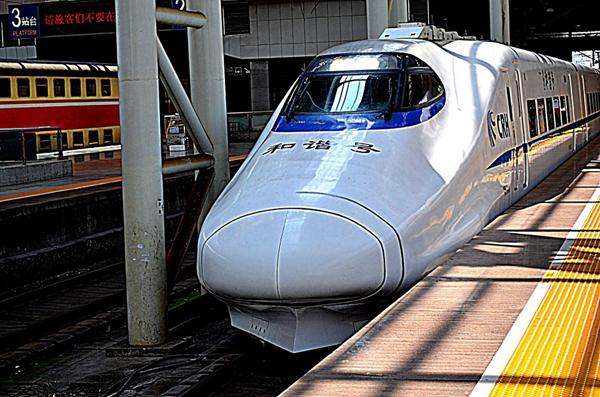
(373, 83)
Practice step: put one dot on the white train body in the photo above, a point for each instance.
(335, 212)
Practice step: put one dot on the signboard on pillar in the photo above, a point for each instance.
(24, 22)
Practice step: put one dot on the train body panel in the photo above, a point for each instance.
(338, 209)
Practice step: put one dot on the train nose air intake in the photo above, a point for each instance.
(292, 254)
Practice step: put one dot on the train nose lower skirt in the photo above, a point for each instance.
(291, 254)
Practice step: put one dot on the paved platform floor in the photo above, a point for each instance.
(513, 313)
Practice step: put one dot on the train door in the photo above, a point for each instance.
(520, 131)
(516, 133)
(572, 94)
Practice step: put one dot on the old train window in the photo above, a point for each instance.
(90, 87)
(23, 88)
(93, 138)
(78, 138)
(41, 87)
(107, 136)
(556, 104)
(65, 140)
(105, 88)
(532, 113)
(59, 87)
(5, 88)
(541, 115)
(563, 110)
(75, 87)
(550, 114)
(45, 142)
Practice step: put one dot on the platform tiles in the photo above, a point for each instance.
(515, 313)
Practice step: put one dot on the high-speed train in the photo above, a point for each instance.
(384, 158)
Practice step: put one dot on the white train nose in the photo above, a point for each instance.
(292, 254)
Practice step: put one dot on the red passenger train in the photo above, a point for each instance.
(82, 99)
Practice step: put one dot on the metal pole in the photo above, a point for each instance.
(207, 86)
(60, 145)
(169, 16)
(500, 21)
(377, 18)
(398, 12)
(143, 206)
(23, 150)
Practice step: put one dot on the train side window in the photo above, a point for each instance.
(41, 87)
(107, 136)
(93, 139)
(5, 88)
(90, 87)
(44, 143)
(105, 89)
(23, 88)
(550, 114)
(541, 116)
(556, 104)
(510, 108)
(75, 85)
(563, 110)
(77, 138)
(65, 140)
(532, 113)
(59, 87)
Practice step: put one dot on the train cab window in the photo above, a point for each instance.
(532, 113)
(59, 87)
(105, 88)
(376, 84)
(23, 88)
(77, 138)
(75, 85)
(107, 137)
(541, 116)
(90, 87)
(41, 87)
(550, 114)
(93, 139)
(5, 88)
(557, 118)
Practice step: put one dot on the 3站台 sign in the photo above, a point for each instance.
(24, 22)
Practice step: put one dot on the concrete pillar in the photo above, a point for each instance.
(260, 86)
(500, 21)
(143, 205)
(377, 17)
(398, 12)
(207, 86)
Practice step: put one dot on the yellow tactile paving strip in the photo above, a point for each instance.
(559, 353)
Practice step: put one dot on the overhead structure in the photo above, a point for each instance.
(500, 21)
(382, 14)
(150, 269)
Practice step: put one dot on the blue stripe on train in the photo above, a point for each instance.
(367, 121)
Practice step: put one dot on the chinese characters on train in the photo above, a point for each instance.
(357, 147)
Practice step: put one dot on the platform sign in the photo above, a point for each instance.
(24, 22)
(70, 18)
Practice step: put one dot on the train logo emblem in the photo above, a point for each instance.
(497, 127)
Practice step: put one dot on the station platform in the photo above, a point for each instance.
(513, 313)
(87, 175)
